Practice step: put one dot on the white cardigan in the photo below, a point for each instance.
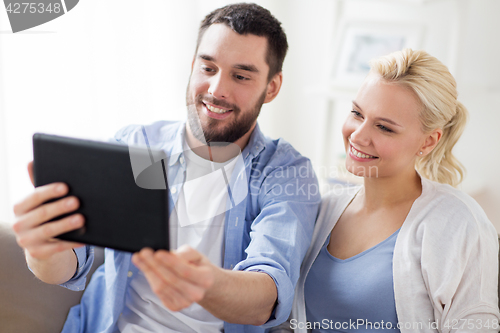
(445, 264)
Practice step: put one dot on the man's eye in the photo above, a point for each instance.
(241, 78)
(206, 69)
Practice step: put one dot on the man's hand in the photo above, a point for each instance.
(179, 278)
(52, 260)
(185, 276)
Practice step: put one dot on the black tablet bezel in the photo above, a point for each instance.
(118, 213)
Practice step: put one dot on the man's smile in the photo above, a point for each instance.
(219, 110)
(216, 112)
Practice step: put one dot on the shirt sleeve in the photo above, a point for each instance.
(123, 135)
(281, 233)
(85, 257)
(461, 271)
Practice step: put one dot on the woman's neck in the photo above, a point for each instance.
(389, 191)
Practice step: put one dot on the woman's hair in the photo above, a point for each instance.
(436, 90)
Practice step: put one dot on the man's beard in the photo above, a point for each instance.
(211, 130)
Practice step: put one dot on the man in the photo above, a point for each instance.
(245, 247)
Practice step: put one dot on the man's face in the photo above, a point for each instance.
(228, 85)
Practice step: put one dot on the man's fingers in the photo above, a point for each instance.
(169, 281)
(30, 172)
(48, 231)
(39, 196)
(187, 287)
(197, 274)
(174, 297)
(188, 270)
(147, 262)
(56, 228)
(45, 213)
(187, 253)
(170, 296)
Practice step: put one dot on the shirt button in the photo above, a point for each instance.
(181, 159)
(173, 190)
(129, 274)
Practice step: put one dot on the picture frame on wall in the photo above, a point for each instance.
(360, 42)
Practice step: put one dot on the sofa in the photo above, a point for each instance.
(28, 305)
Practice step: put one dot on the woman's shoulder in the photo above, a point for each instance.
(443, 206)
(450, 199)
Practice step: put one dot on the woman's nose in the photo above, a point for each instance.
(361, 135)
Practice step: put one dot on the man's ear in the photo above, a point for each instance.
(430, 142)
(273, 87)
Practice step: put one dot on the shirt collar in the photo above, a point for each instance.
(255, 144)
(178, 148)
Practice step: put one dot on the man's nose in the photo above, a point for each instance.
(219, 86)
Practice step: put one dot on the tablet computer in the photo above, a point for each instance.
(123, 190)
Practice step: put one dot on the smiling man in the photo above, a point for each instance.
(242, 211)
(228, 85)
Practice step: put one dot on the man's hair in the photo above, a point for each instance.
(249, 18)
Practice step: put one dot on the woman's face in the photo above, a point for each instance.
(383, 134)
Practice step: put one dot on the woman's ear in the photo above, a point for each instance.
(430, 142)
(273, 87)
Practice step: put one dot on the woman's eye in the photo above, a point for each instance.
(356, 113)
(385, 129)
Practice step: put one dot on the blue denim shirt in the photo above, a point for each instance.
(269, 231)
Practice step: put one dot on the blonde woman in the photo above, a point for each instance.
(405, 252)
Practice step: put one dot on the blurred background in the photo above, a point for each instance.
(106, 64)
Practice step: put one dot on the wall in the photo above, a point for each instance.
(479, 83)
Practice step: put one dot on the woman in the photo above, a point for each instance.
(405, 252)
